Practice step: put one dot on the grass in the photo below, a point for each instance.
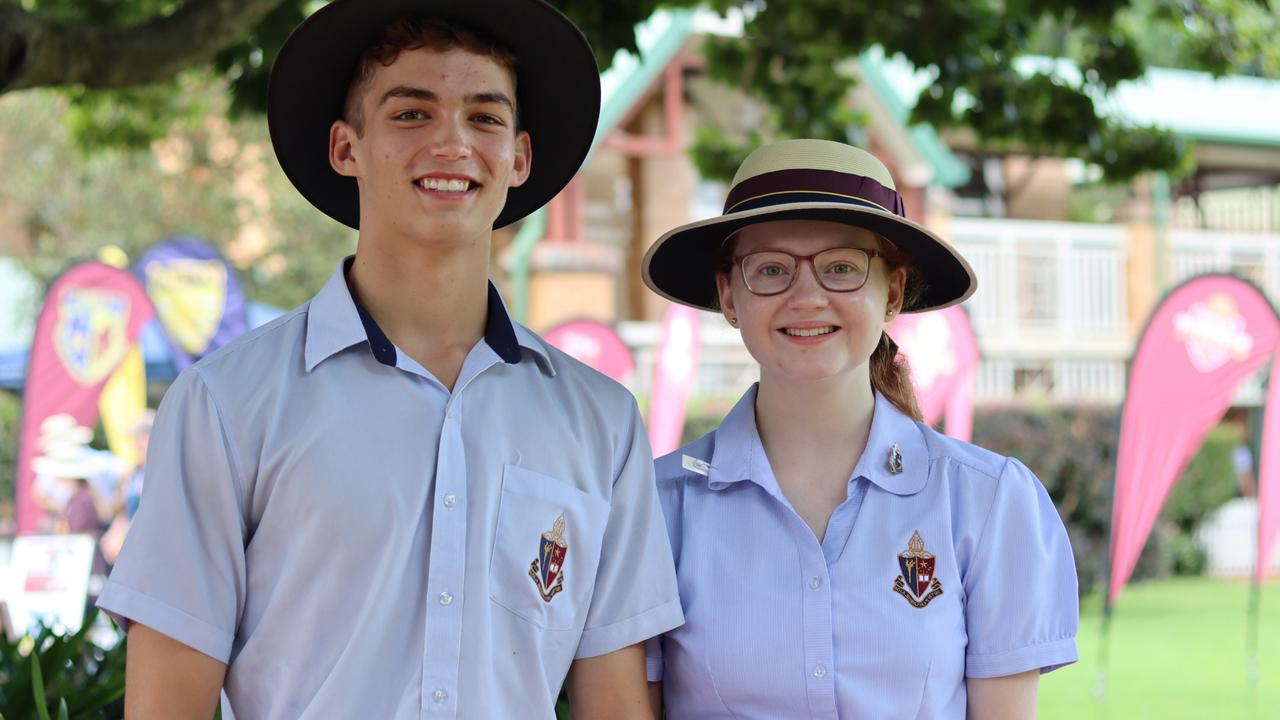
(1177, 650)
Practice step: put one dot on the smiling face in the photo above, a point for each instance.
(808, 333)
(437, 148)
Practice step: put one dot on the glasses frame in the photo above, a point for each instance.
(871, 253)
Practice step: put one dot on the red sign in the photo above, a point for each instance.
(91, 318)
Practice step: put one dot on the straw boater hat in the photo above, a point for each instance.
(64, 451)
(806, 180)
(557, 89)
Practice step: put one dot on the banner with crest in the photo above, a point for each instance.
(197, 296)
(90, 322)
(1206, 338)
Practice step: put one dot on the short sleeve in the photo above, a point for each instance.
(654, 666)
(635, 596)
(1022, 608)
(182, 569)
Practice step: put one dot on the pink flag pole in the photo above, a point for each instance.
(1268, 512)
(674, 371)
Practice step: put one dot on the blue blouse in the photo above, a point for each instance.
(945, 562)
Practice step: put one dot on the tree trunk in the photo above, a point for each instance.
(36, 52)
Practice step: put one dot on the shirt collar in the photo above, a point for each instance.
(336, 321)
(739, 453)
(889, 426)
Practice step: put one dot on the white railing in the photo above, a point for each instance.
(1250, 210)
(1255, 256)
(1045, 283)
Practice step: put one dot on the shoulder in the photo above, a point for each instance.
(275, 343)
(575, 379)
(950, 452)
(672, 470)
(978, 478)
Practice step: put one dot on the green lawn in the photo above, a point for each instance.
(1177, 651)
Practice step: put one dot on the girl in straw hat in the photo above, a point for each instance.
(836, 556)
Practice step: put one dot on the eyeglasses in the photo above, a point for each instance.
(841, 269)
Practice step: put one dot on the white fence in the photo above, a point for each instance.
(1050, 311)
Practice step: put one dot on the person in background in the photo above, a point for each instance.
(836, 556)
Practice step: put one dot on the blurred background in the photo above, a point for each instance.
(1085, 159)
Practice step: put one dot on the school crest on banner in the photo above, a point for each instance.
(189, 295)
(91, 334)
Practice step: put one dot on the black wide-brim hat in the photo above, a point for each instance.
(557, 91)
(807, 180)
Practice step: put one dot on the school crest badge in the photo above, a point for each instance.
(915, 580)
(191, 296)
(91, 333)
(547, 570)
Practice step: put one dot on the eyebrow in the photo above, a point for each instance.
(480, 98)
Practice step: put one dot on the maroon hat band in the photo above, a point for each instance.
(783, 187)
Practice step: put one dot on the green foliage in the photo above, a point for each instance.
(206, 177)
(81, 680)
(792, 56)
(1073, 452)
(10, 414)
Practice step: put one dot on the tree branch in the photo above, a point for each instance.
(36, 52)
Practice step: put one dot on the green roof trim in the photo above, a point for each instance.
(621, 86)
(948, 170)
(1227, 110)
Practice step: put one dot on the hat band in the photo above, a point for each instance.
(802, 185)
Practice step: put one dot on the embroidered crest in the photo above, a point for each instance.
(916, 582)
(547, 570)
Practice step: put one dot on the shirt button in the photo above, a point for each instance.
(819, 671)
(450, 500)
(446, 598)
(439, 696)
(816, 583)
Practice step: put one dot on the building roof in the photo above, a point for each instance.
(1232, 109)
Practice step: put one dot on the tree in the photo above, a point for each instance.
(785, 59)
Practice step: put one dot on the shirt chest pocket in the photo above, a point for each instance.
(546, 549)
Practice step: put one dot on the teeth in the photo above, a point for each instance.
(443, 185)
(809, 332)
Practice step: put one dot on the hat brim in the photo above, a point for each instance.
(681, 265)
(557, 89)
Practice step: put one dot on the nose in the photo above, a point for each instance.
(449, 140)
(806, 291)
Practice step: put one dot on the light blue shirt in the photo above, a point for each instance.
(355, 541)
(858, 626)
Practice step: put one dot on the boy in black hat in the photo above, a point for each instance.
(394, 502)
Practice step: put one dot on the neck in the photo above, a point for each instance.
(430, 301)
(832, 417)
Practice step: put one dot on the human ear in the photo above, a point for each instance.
(342, 157)
(726, 298)
(897, 286)
(523, 159)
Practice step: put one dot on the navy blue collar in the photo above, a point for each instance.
(499, 334)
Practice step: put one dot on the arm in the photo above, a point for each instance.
(610, 686)
(655, 699)
(167, 679)
(1012, 697)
